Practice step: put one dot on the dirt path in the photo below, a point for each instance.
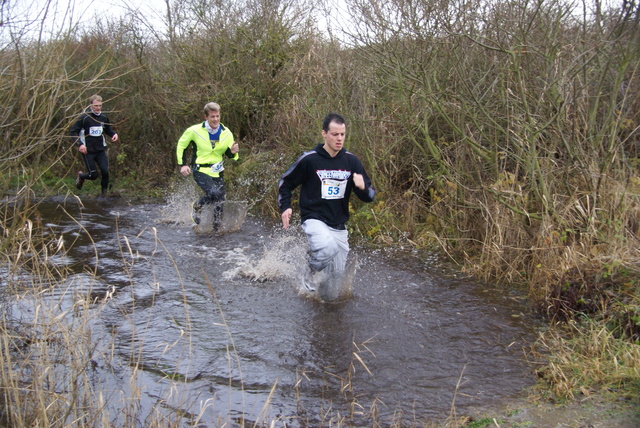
(591, 412)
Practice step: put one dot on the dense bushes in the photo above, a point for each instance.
(504, 133)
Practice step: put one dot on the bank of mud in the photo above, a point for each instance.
(595, 411)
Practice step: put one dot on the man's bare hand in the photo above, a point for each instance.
(358, 180)
(286, 217)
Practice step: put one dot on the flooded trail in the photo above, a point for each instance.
(208, 329)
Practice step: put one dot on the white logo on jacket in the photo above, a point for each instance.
(334, 174)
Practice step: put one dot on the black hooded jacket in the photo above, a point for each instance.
(326, 184)
(89, 129)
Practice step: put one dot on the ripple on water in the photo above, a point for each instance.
(219, 319)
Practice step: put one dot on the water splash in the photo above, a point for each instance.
(182, 193)
(283, 258)
(332, 287)
(233, 215)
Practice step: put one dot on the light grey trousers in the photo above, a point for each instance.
(329, 246)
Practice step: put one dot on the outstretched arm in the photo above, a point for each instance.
(291, 179)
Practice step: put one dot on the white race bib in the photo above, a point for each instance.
(333, 189)
(218, 167)
(95, 131)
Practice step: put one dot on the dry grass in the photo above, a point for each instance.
(51, 348)
(587, 358)
(53, 354)
(519, 163)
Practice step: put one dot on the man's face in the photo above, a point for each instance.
(96, 106)
(213, 118)
(334, 138)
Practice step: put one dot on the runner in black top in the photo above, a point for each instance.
(327, 176)
(88, 134)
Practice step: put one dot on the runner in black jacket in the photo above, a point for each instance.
(88, 132)
(327, 175)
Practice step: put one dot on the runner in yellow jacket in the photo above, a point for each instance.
(211, 140)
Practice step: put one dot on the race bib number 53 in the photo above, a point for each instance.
(333, 189)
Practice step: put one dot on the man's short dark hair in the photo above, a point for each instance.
(332, 117)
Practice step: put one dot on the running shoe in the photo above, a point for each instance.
(79, 180)
(307, 285)
(308, 282)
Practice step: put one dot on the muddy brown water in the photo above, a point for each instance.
(214, 329)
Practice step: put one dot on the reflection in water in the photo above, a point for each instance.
(213, 327)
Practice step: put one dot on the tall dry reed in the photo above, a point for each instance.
(505, 134)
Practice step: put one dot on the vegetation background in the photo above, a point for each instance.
(504, 133)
